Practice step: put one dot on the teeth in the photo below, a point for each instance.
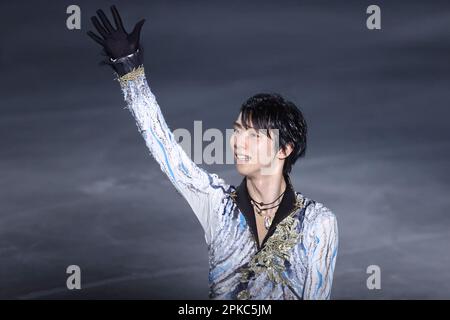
(242, 157)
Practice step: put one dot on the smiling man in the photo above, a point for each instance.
(265, 240)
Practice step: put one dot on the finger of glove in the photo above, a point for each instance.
(135, 35)
(99, 27)
(117, 19)
(96, 38)
(105, 21)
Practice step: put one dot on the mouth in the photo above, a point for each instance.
(241, 157)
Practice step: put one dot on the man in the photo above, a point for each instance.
(265, 240)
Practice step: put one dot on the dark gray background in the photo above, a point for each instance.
(79, 187)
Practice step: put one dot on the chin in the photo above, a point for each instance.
(246, 170)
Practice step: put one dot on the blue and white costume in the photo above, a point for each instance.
(297, 257)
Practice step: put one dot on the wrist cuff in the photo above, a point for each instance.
(127, 64)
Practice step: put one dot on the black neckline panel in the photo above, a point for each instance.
(285, 208)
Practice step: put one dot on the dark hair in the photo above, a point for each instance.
(272, 111)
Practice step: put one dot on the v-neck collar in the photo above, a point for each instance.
(285, 208)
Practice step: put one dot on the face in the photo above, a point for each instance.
(255, 152)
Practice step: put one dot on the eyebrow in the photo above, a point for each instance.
(237, 124)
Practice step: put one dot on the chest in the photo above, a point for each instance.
(261, 229)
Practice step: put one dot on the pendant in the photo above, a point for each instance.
(267, 222)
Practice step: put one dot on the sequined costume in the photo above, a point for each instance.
(297, 257)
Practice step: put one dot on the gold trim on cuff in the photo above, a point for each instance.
(132, 75)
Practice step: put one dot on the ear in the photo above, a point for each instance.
(284, 153)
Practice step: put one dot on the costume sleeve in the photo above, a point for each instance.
(322, 256)
(199, 188)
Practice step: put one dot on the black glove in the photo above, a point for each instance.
(123, 50)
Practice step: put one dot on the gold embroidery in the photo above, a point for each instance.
(132, 75)
(272, 256)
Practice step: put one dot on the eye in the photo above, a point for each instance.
(235, 130)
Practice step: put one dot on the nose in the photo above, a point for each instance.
(240, 143)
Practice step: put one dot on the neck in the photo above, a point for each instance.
(266, 188)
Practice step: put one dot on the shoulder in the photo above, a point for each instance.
(221, 190)
(319, 218)
(218, 184)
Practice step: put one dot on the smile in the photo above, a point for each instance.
(242, 157)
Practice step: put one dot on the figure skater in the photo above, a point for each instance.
(265, 240)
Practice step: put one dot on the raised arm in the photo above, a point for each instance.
(201, 189)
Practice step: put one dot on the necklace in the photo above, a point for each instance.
(258, 206)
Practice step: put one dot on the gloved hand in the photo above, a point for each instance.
(117, 43)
